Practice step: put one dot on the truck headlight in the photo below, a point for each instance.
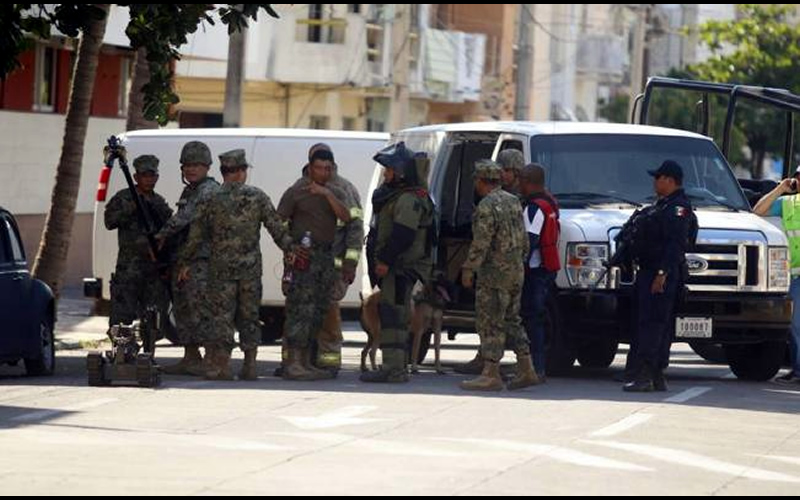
(586, 263)
(779, 271)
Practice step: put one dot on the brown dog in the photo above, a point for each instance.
(427, 311)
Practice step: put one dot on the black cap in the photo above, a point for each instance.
(322, 154)
(670, 169)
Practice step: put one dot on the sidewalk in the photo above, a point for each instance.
(76, 327)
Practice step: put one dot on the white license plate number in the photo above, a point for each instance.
(694, 328)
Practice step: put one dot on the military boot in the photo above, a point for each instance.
(189, 365)
(385, 376)
(526, 375)
(293, 368)
(489, 380)
(474, 367)
(220, 366)
(249, 371)
(319, 372)
(642, 383)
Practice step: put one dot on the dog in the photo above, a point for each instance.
(427, 312)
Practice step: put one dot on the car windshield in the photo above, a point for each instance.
(585, 169)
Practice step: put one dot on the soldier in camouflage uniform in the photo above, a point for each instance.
(189, 297)
(402, 254)
(347, 248)
(499, 248)
(511, 162)
(136, 283)
(311, 207)
(230, 222)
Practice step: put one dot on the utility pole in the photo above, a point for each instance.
(639, 47)
(524, 60)
(401, 55)
(232, 113)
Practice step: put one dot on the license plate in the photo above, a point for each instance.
(694, 328)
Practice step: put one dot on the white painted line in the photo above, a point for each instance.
(623, 425)
(783, 391)
(786, 460)
(695, 461)
(556, 453)
(348, 415)
(688, 395)
(45, 414)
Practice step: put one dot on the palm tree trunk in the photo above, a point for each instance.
(141, 76)
(52, 257)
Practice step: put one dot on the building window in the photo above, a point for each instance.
(354, 8)
(375, 125)
(317, 122)
(44, 98)
(125, 84)
(348, 123)
(321, 26)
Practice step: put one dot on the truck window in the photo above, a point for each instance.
(5, 248)
(458, 188)
(17, 254)
(617, 165)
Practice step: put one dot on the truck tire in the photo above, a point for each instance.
(713, 353)
(560, 352)
(756, 362)
(597, 353)
(273, 320)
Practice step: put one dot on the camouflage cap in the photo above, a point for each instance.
(487, 170)
(196, 152)
(511, 159)
(145, 163)
(233, 159)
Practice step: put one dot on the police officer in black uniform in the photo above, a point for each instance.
(668, 232)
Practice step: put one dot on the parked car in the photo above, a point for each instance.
(27, 307)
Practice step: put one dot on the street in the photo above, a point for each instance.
(711, 434)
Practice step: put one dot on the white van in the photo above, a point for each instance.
(739, 272)
(278, 156)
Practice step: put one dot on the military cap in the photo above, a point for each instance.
(233, 159)
(669, 169)
(145, 163)
(487, 170)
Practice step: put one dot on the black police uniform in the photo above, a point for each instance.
(667, 234)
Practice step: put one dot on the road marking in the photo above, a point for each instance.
(348, 415)
(557, 453)
(623, 425)
(786, 460)
(688, 395)
(46, 414)
(696, 461)
(783, 391)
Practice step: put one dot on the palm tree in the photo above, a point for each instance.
(52, 256)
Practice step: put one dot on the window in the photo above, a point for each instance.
(315, 29)
(5, 252)
(16, 247)
(354, 8)
(44, 98)
(348, 123)
(188, 119)
(125, 84)
(375, 125)
(321, 26)
(319, 122)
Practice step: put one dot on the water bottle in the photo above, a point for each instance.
(301, 263)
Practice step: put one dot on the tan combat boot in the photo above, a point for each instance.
(189, 365)
(249, 371)
(474, 367)
(293, 368)
(489, 380)
(220, 366)
(309, 366)
(526, 375)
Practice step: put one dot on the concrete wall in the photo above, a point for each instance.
(31, 146)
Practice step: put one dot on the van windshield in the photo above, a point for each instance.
(587, 170)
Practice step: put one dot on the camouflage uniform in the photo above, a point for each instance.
(230, 223)
(190, 299)
(497, 255)
(404, 220)
(136, 283)
(347, 248)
